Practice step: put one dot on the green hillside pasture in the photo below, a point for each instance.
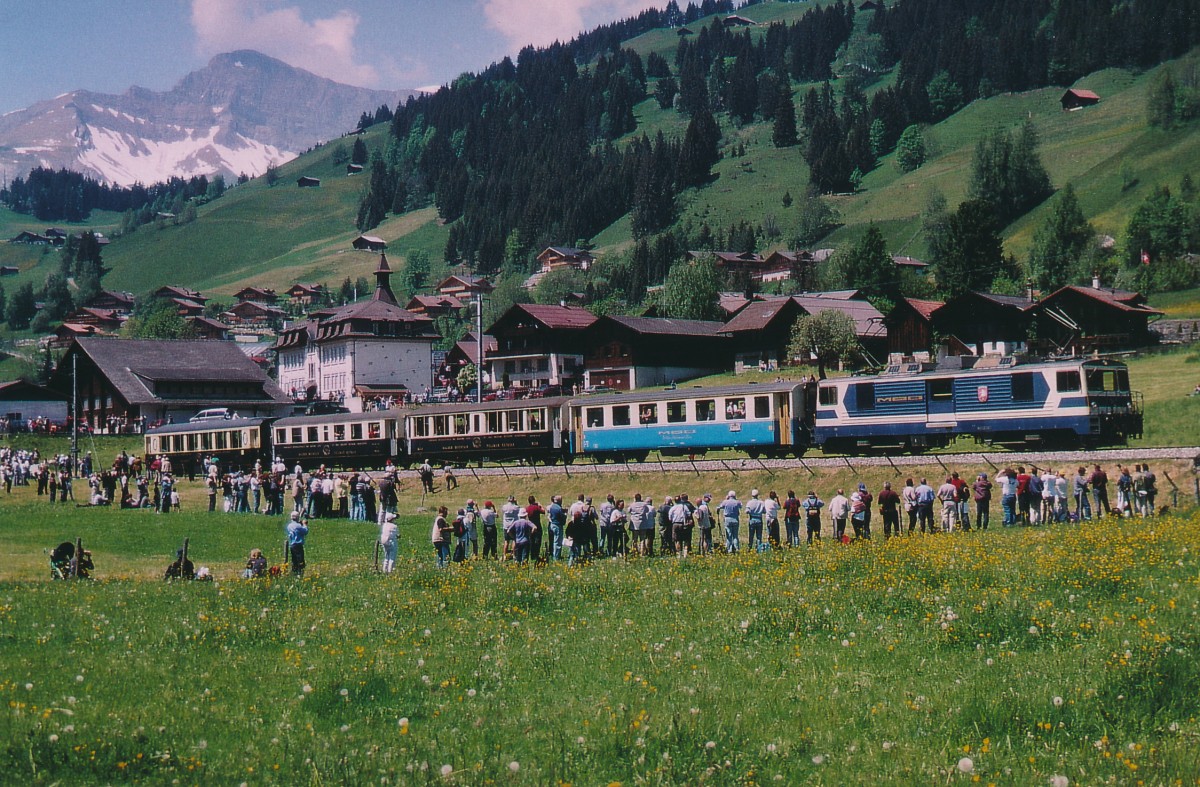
(1008, 656)
(1165, 380)
(1087, 148)
(1177, 305)
(36, 262)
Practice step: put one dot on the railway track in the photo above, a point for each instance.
(968, 460)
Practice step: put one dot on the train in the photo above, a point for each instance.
(906, 408)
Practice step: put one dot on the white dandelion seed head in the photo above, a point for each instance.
(1058, 780)
(345, 692)
(54, 739)
(845, 643)
(1034, 631)
(471, 692)
(345, 728)
(710, 745)
(420, 662)
(887, 745)
(818, 759)
(447, 769)
(580, 740)
(966, 765)
(771, 748)
(28, 687)
(1058, 701)
(514, 766)
(79, 679)
(428, 633)
(989, 662)
(307, 689)
(202, 745)
(403, 721)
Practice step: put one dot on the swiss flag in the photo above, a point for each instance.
(1145, 257)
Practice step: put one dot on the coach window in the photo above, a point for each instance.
(1067, 381)
(460, 424)
(762, 407)
(281, 435)
(512, 420)
(495, 423)
(206, 441)
(477, 423)
(339, 432)
(648, 413)
(297, 435)
(191, 442)
(374, 430)
(176, 443)
(312, 434)
(735, 409)
(235, 438)
(535, 420)
(1022, 387)
(324, 434)
(621, 415)
(941, 390)
(676, 412)
(441, 425)
(827, 395)
(356, 429)
(595, 417)
(706, 410)
(864, 396)
(220, 441)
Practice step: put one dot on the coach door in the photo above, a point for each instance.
(783, 417)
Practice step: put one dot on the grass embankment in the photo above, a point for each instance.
(1066, 651)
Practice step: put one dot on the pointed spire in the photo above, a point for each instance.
(383, 286)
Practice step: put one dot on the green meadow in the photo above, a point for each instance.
(1058, 655)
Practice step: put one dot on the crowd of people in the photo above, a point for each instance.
(582, 530)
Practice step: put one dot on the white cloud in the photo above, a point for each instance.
(322, 46)
(542, 22)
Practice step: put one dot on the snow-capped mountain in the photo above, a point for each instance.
(238, 114)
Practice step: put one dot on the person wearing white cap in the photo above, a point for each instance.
(731, 512)
(522, 531)
(755, 511)
(389, 539)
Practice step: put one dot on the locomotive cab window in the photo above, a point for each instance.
(620, 415)
(827, 396)
(762, 407)
(706, 410)
(864, 396)
(1067, 381)
(1107, 380)
(676, 412)
(1022, 387)
(735, 409)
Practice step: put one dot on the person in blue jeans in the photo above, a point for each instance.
(1007, 478)
(522, 531)
(731, 513)
(557, 518)
(440, 536)
(755, 512)
(1083, 506)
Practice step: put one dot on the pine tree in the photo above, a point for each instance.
(1060, 243)
(967, 253)
(783, 132)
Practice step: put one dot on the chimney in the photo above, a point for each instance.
(1029, 290)
(1095, 280)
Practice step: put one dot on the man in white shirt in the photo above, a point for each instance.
(389, 538)
(839, 508)
(948, 494)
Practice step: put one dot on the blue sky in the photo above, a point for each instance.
(55, 46)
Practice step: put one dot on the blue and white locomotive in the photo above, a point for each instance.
(996, 399)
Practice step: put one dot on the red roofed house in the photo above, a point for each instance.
(762, 331)
(634, 352)
(306, 294)
(253, 313)
(555, 257)
(208, 328)
(1076, 98)
(433, 305)
(464, 286)
(539, 345)
(1084, 319)
(256, 295)
(910, 326)
(368, 243)
(358, 352)
(117, 301)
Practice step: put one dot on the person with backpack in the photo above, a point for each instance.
(839, 509)
(487, 518)
(948, 495)
(604, 514)
(534, 512)
(771, 516)
(731, 512)
(522, 531)
(889, 509)
(680, 517)
(703, 518)
(1125, 492)
(811, 506)
(459, 529)
(981, 491)
(791, 519)
(1151, 483)
(471, 523)
(297, 534)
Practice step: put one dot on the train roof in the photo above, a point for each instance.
(480, 407)
(971, 365)
(209, 425)
(341, 418)
(686, 392)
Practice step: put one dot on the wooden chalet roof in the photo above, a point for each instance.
(130, 365)
(665, 326)
(1081, 93)
(568, 317)
(1122, 300)
(23, 390)
(923, 308)
(299, 289)
(173, 291)
(465, 281)
(433, 302)
(759, 314)
(468, 347)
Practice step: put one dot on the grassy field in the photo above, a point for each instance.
(1008, 657)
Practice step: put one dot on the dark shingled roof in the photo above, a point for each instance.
(669, 326)
(558, 316)
(130, 363)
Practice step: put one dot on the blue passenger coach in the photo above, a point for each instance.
(992, 398)
(762, 420)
